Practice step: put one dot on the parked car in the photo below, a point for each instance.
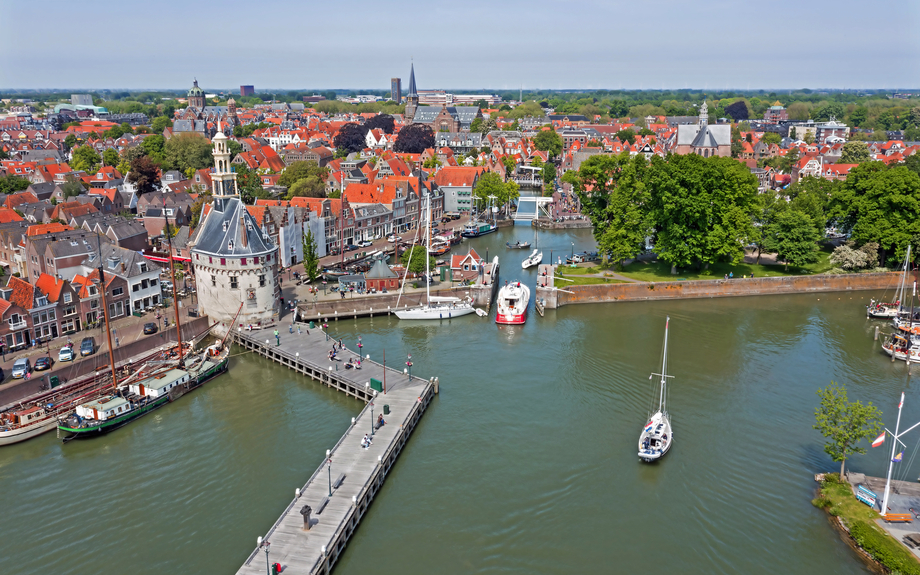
(43, 363)
(21, 368)
(334, 252)
(391, 238)
(66, 354)
(150, 328)
(166, 285)
(88, 346)
(365, 244)
(350, 248)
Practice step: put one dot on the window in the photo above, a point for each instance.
(243, 261)
(94, 304)
(35, 318)
(234, 283)
(155, 299)
(255, 260)
(223, 261)
(143, 268)
(144, 284)
(213, 281)
(153, 282)
(262, 280)
(136, 287)
(118, 291)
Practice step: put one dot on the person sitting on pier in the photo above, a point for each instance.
(380, 421)
(366, 442)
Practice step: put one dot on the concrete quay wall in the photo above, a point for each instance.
(643, 291)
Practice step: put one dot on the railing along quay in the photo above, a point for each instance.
(311, 533)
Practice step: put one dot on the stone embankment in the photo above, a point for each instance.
(643, 291)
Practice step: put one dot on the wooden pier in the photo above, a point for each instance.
(341, 489)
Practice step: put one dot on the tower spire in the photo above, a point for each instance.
(412, 90)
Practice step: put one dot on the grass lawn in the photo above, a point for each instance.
(660, 271)
(578, 278)
(860, 519)
(577, 270)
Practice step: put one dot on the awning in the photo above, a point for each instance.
(165, 259)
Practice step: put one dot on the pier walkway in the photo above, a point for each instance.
(341, 489)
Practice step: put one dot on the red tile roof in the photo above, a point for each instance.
(23, 293)
(8, 215)
(50, 286)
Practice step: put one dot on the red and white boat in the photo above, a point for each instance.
(513, 300)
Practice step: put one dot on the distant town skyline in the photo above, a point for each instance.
(662, 44)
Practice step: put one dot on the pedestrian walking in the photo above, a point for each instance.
(291, 328)
(277, 338)
(298, 330)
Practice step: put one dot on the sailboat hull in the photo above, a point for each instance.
(656, 438)
(434, 312)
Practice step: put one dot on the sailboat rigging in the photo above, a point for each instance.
(657, 435)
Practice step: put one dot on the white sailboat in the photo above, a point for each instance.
(437, 307)
(533, 259)
(883, 310)
(657, 436)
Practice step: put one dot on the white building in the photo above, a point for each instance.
(235, 261)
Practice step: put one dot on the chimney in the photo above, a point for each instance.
(244, 237)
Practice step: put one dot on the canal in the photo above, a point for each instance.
(526, 462)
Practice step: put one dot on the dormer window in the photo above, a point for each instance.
(41, 301)
(230, 245)
(226, 225)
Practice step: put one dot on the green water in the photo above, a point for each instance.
(526, 462)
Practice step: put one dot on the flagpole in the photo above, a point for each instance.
(894, 445)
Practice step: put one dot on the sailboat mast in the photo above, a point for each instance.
(105, 313)
(662, 402)
(428, 247)
(172, 278)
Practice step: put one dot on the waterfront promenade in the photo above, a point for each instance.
(341, 489)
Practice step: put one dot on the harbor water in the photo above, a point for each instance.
(525, 463)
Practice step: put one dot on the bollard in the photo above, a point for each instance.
(876, 333)
(305, 511)
(297, 493)
(436, 384)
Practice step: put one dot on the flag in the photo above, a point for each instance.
(897, 458)
(879, 440)
(900, 405)
(648, 426)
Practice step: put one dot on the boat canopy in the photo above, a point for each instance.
(443, 299)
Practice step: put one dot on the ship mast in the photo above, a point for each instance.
(172, 277)
(105, 312)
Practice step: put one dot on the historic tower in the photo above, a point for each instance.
(411, 97)
(236, 262)
(704, 114)
(196, 96)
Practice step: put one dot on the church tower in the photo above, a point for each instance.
(411, 97)
(231, 112)
(704, 114)
(196, 96)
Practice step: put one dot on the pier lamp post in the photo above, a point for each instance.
(324, 287)
(329, 467)
(372, 417)
(264, 545)
(573, 252)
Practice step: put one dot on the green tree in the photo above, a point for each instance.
(859, 116)
(302, 170)
(11, 184)
(85, 159)
(160, 124)
(829, 110)
(614, 196)
(72, 188)
(187, 150)
(854, 153)
(476, 125)
(549, 173)
(771, 138)
(310, 259)
(153, 146)
(198, 206)
(491, 184)
(417, 263)
(70, 141)
(431, 163)
(249, 184)
(702, 209)
(794, 237)
(110, 157)
(879, 204)
(311, 187)
(845, 424)
(510, 165)
(626, 136)
(548, 141)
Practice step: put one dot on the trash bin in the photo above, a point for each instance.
(276, 568)
(386, 409)
(312, 325)
(54, 381)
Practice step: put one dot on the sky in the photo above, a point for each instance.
(505, 44)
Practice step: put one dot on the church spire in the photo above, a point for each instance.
(412, 90)
(704, 114)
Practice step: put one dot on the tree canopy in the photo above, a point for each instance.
(417, 263)
(491, 184)
(794, 237)
(145, 175)
(85, 159)
(11, 184)
(414, 139)
(845, 424)
(351, 138)
(383, 122)
(187, 151)
(548, 141)
(301, 170)
(854, 153)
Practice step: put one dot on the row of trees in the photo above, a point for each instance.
(702, 210)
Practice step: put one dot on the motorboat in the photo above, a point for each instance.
(657, 435)
(513, 299)
(476, 229)
(517, 245)
(533, 259)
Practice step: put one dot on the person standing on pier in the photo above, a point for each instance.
(277, 338)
